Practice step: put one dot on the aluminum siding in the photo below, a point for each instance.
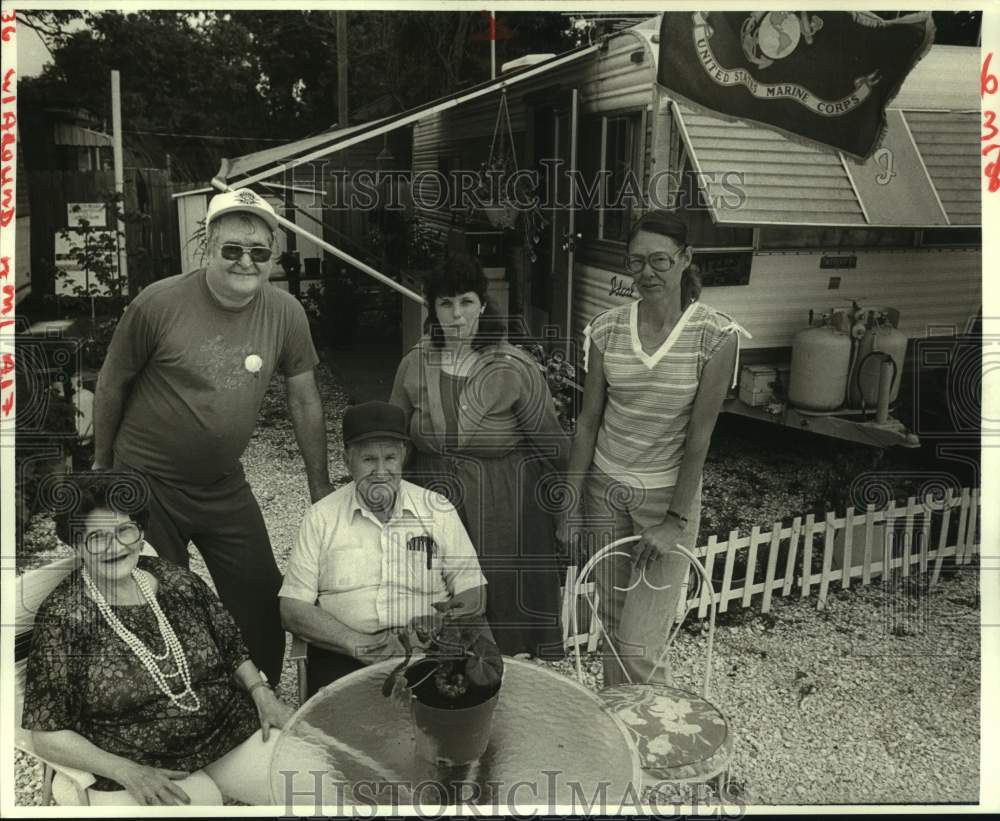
(946, 79)
(442, 136)
(929, 288)
(613, 82)
(949, 144)
(609, 82)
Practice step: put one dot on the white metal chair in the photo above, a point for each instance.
(31, 590)
(681, 736)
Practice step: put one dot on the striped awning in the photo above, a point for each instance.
(67, 134)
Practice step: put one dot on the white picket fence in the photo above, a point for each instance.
(854, 549)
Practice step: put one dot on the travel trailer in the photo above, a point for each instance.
(787, 235)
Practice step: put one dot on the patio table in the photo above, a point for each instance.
(552, 744)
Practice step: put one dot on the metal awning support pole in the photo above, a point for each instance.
(333, 249)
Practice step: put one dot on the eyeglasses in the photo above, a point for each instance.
(127, 533)
(659, 261)
(233, 251)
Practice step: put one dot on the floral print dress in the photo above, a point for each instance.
(82, 677)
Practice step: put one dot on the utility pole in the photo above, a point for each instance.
(116, 133)
(493, 45)
(341, 69)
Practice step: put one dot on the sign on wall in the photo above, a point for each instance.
(95, 213)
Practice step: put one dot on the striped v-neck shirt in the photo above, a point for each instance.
(650, 396)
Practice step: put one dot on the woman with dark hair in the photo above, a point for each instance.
(138, 674)
(485, 431)
(658, 370)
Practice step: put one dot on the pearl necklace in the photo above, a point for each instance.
(145, 655)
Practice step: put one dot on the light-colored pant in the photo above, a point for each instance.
(638, 611)
(241, 774)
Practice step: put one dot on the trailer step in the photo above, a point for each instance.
(891, 433)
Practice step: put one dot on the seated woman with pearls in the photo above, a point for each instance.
(137, 672)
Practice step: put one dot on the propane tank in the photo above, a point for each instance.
(881, 342)
(821, 361)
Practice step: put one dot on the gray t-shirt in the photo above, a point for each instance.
(185, 362)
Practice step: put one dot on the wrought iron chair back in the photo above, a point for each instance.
(615, 549)
(694, 744)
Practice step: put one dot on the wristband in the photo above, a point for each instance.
(261, 683)
(373, 648)
(677, 516)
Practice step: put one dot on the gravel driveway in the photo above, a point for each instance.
(874, 700)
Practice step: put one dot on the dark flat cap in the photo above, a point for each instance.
(374, 420)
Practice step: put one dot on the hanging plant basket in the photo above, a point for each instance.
(501, 215)
(500, 165)
(494, 202)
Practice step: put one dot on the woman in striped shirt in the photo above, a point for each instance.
(658, 370)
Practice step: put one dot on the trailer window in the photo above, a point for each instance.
(818, 237)
(622, 162)
(964, 237)
(611, 175)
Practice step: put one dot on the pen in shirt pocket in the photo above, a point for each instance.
(424, 543)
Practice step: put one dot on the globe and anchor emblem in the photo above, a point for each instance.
(767, 36)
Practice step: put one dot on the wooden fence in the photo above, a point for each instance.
(900, 540)
(150, 220)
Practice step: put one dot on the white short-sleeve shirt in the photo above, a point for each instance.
(371, 576)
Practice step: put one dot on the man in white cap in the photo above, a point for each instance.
(178, 397)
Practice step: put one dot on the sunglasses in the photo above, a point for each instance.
(233, 251)
(127, 533)
(659, 261)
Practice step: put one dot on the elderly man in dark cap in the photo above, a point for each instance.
(375, 556)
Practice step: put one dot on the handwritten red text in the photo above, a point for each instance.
(8, 207)
(987, 88)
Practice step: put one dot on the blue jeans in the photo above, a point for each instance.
(638, 610)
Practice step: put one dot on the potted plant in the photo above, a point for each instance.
(452, 691)
(560, 377)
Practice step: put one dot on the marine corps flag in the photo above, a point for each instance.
(825, 75)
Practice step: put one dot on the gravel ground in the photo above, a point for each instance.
(873, 700)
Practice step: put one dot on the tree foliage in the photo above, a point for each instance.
(270, 74)
(273, 74)
(180, 72)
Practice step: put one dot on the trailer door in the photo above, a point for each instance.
(555, 141)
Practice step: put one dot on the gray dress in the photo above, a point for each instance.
(487, 443)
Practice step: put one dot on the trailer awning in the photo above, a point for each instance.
(925, 173)
(250, 168)
(233, 169)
